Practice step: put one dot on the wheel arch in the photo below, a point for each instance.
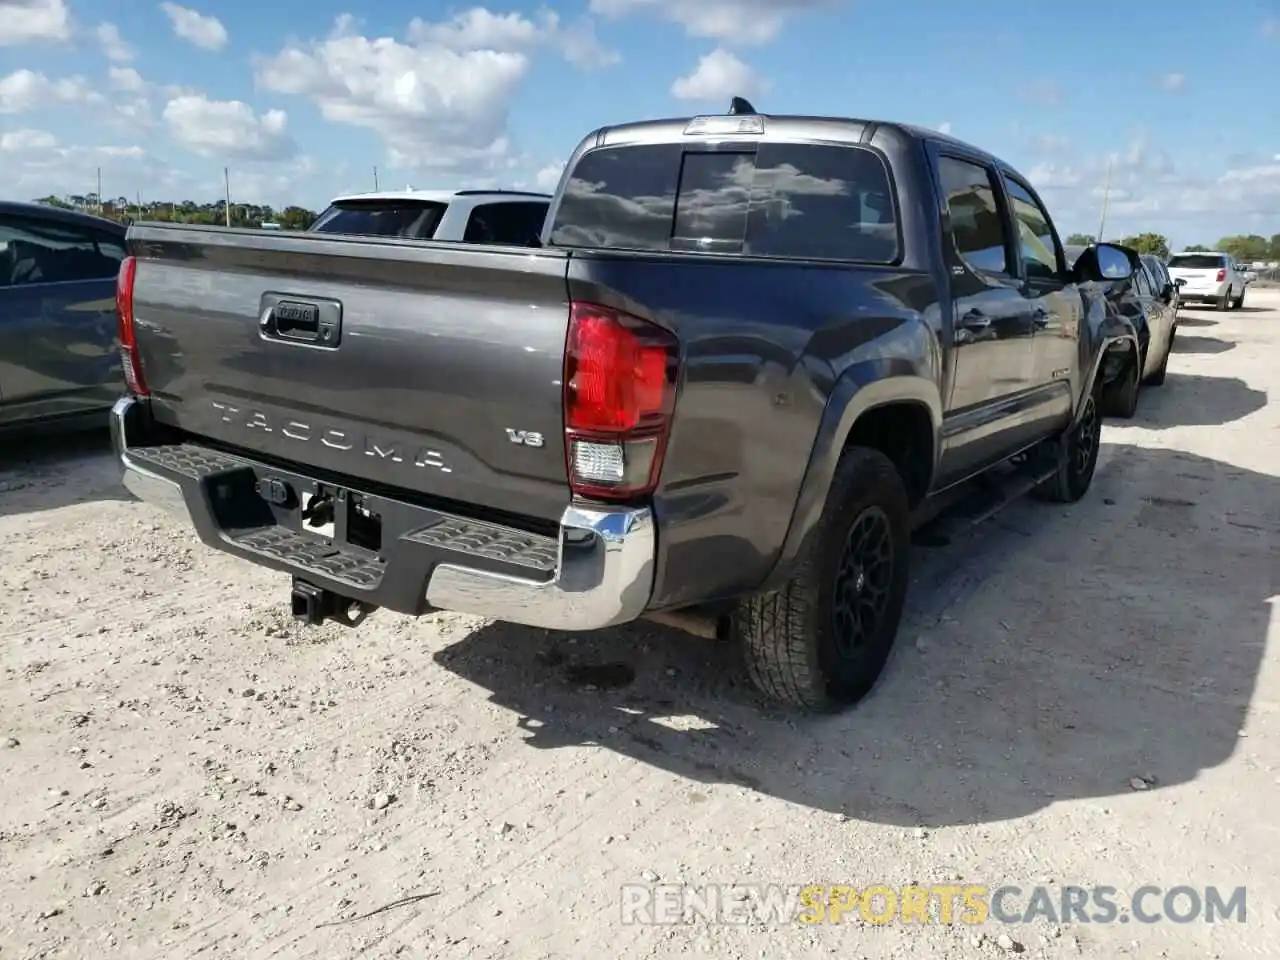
(900, 415)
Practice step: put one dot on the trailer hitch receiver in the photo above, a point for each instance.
(314, 605)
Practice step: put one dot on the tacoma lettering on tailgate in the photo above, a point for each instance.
(331, 437)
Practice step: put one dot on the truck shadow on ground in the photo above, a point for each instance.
(1190, 400)
(45, 473)
(1185, 344)
(1185, 320)
(1054, 654)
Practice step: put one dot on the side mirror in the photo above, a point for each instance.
(1113, 263)
(1167, 293)
(1104, 263)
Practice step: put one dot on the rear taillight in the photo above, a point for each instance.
(1222, 275)
(619, 396)
(129, 358)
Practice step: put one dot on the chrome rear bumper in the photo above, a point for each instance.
(598, 570)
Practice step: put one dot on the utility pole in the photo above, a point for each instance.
(99, 191)
(1106, 196)
(226, 182)
(375, 178)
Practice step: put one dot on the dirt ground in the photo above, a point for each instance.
(1080, 695)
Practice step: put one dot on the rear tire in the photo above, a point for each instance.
(1120, 397)
(1224, 301)
(1076, 456)
(1239, 301)
(822, 639)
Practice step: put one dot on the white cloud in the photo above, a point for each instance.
(548, 178)
(434, 102)
(1173, 82)
(126, 79)
(132, 115)
(1147, 192)
(205, 32)
(29, 21)
(113, 44)
(579, 45)
(36, 164)
(731, 21)
(945, 128)
(23, 141)
(228, 129)
(718, 76)
(25, 90)
(276, 186)
(481, 29)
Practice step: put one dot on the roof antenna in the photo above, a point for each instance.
(739, 105)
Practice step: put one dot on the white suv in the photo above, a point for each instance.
(1208, 276)
(505, 217)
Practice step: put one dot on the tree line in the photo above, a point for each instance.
(1246, 248)
(250, 215)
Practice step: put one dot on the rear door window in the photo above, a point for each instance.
(787, 200)
(406, 219)
(516, 223)
(977, 224)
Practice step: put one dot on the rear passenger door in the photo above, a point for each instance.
(991, 361)
(58, 351)
(514, 223)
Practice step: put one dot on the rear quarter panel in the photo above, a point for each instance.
(767, 349)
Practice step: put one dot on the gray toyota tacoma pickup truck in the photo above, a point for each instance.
(749, 353)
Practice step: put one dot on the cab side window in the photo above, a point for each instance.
(977, 223)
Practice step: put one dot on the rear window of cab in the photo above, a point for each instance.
(786, 200)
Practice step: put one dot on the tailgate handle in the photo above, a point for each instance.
(301, 320)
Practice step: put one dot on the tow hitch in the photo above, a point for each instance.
(314, 605)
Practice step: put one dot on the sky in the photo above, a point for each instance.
(300, 100)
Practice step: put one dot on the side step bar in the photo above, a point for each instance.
(952, 513)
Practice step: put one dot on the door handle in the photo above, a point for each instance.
(975, 320)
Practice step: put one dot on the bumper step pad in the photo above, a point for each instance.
(531, 554)
(188, 459)
(474, 538)
(311, 555)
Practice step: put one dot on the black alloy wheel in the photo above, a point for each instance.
(863, 582)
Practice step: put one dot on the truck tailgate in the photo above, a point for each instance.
(427, 367)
